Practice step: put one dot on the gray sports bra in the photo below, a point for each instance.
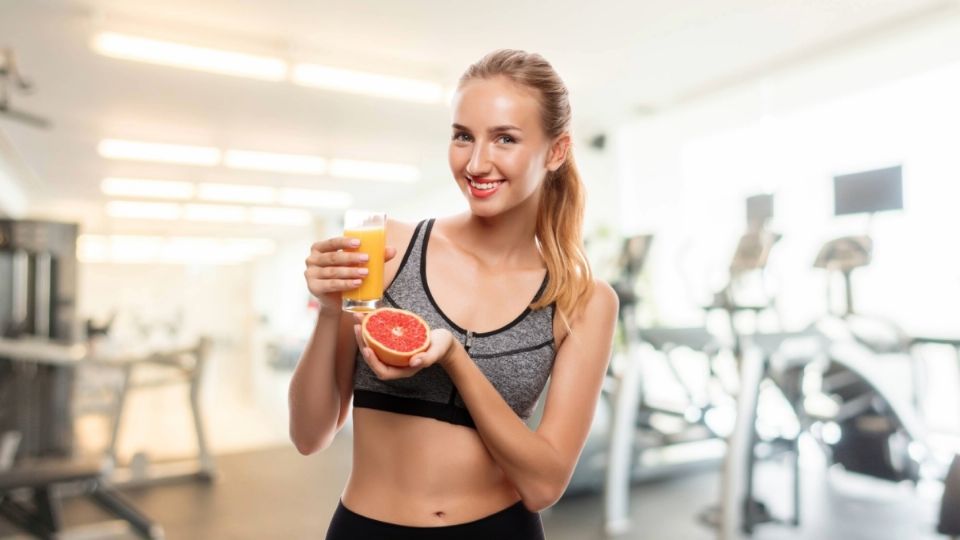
(517, 358)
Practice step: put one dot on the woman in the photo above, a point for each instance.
(441, 449)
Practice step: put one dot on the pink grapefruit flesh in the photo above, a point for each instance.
(395, 335)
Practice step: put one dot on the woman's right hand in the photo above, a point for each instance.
(332, 268)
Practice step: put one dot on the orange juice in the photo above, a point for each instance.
(373, 243)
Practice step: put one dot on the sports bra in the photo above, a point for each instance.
(516, 359)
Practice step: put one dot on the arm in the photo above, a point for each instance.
(540, 463)
(322, 384)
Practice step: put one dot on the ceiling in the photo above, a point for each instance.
(620, 59)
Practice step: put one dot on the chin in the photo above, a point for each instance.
(485, 210)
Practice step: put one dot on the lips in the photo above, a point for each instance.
(482, 188)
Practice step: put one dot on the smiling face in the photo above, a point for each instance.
(498, 150)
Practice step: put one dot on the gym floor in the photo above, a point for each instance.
(277, 493)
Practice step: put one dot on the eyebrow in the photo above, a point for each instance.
(494, 129)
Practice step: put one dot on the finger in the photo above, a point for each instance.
(389, 253)
(387, 372)
(339, 272)
(336, 272)
(335, 243)
(358, 318)
(378, 368)
(342, 258)
(333, 285)
(359, 336)
(420, 360)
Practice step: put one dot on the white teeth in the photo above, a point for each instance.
(483, 187)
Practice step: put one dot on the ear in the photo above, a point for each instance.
(558, 152)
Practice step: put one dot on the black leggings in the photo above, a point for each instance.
(513, 523)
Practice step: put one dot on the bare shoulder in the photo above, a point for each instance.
(599, 313)
(399, 229)
(603, 297)
(596, 318)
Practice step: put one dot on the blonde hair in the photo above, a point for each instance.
(560, 214)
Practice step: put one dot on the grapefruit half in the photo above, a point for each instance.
(395, 335)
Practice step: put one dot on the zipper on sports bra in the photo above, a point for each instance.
(468, 341)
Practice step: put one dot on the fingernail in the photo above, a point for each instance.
(354, 242)
(357, 281)
(363, 271)
(364, 257)
(415, 362)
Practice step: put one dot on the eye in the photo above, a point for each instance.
(506, 139)
(462, 136)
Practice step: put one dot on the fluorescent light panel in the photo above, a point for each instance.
(368, 170)
(265, 161)
(215, 212)
(166, 153)
(171, 250)
(143, 210)
(268, 68)
(179, 55)
(137, 187)
(371, 84)
(315, 198)
(279, 216)
(236, 193)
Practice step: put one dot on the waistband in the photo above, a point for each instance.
(508, 514)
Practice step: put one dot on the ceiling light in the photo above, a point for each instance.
(279, 216)
(136, 187)
(170, 249)
(167, 153)
(215, 212)
(265, 161)
(315, 198)
(371, 84)
(143, 210)
(236, 193)
(368, 170)
(189, 57)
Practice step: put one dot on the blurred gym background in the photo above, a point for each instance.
(773, 192)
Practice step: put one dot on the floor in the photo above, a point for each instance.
(276, 493)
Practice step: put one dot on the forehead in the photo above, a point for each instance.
(481, 103)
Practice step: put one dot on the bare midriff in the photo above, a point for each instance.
(420, 472)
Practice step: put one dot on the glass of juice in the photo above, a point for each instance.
(369, 228)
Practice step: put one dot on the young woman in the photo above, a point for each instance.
(440, 448)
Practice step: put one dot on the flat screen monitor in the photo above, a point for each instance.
(759, 208)
(868, 191)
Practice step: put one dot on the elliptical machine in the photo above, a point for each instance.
(829, 375)
(642, 431)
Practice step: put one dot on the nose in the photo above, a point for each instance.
(479, 164)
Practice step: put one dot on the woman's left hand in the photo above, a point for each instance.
(442, 344)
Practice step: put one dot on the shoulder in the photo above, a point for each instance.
(599, 308)
(399, 233)
(603, 296)
(596, 317)
(399, 229)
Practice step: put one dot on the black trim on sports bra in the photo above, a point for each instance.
(444, 412)
(457, 327)
(406, 253)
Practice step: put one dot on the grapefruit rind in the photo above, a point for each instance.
(386, 354)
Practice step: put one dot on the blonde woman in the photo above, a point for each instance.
(440, 448)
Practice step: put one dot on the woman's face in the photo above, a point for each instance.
(498, 150)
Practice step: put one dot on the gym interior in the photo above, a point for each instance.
(771, 187)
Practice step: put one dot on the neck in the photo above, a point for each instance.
(508, 239)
